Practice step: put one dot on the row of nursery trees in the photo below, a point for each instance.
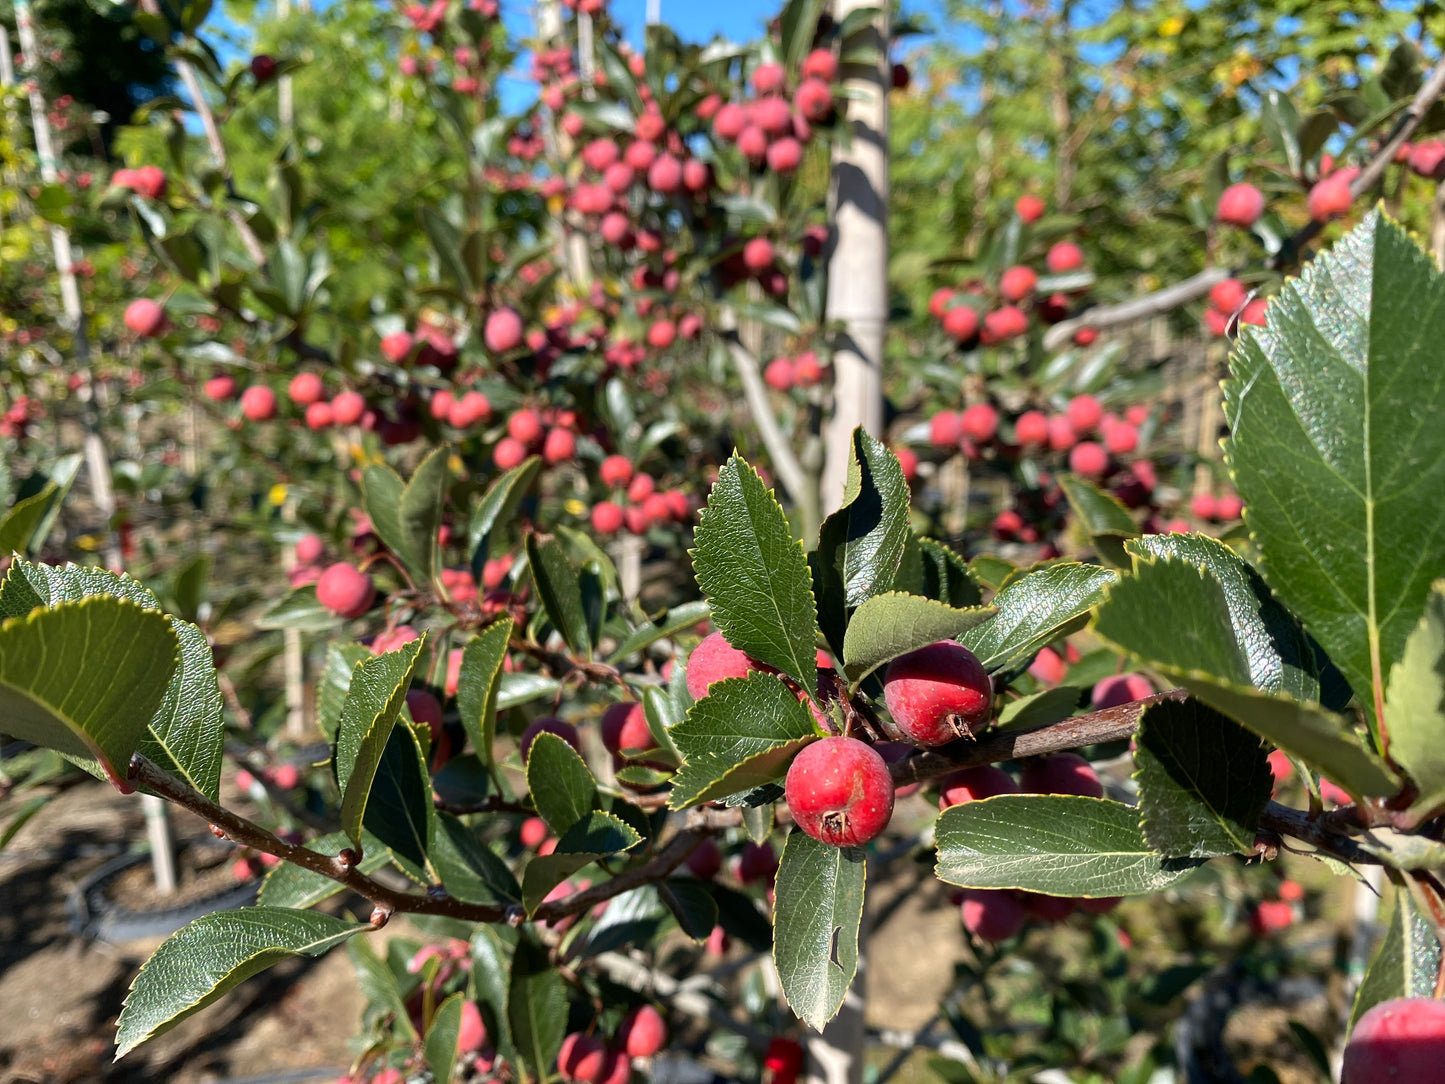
(484, 416)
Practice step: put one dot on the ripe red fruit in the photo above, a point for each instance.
(582, 1058)
(768, 78)
(1084, 413)
(1004, 324)
(396, 346)
(503, 331)
(642, 1032)
(624, 726)
(785, 155)
(347, 408)
(263, 68)
(1029, 208)
(974, 785)
(991, 914)
(665, 174)
(532, 832)
(840, 792)
(1048, 908)
(305, 389)
(1330, 198)
(607, 517)
(509, 453)
(758, 254)
(938, 302)
(1428, 159)
(945, 429)
(642, 487)
(1062, 773)
(345, 590)
(705, 861)
(1118, 689)
(319, 416)
(758, 862)
(1201, 505)
(730, 121)
(615, 471)
(1396, 1041)
(309, 549)
(753, 143)
(617, 1069)
(1061, 434)
(1017, 283)
(1085, 336)
(559, 446)
(779, 374)
(1228, 508)
(938, 693)
(813, 99)
(1031, 427)
(472, 1035)
(696, 176)
(471, 408)
(1271, 917)
(979, 422)
(145, 317)
(258, 403)
(220, 388)
(1088, 459)
(1240, 205)
(1121, 438)
(525, 426)
(1228, 296)
(1254, 312)
(1064, 256)
(662, 334)
(960, 323)
(807, 370)
(548, 724)
(820, 64)
(908, 461)
(1048, 667)
(713, 660)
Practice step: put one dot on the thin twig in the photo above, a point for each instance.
(780, 451)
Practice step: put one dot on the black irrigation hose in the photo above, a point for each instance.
(94, 915)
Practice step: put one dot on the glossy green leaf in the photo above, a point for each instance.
(560, 592)
(479, 684)
(290, 885)
(399, 810)
(200, 962)
(373, 701)
(668, 623)
(86, 678)
(1406, 964)
(1336, 449)
(741, 735)
(379, 985)
(1173, 616)
(491, 980)
(22, 519)
(560, 783)
(1415, 706)
(298, 609)
(1034, 609)
(1203, 780)
(439, 1048)
(499, 505)
(893, 624)
(691, 904)
(407, 516)
(1102, 517)
(1041, 708)
(861, 545)
(341, 660)
(755, 575)
(947, 576)
(536, 1007)
(662, 714)
(188, 731)
(1054, 844)
(817, 910)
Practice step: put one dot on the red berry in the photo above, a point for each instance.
(1118, 689)
(607, 517)
(220, 388)
(758, 862)
(503, 331)
(1062, 773)
(1240, 205)
(945, 429)
(960, 323)
(713, 660)
(1031, 427)
(1084, 413)
(348, 408)
(991, 914)
(1017, 283)
(396, 346)
(974, 785)
(145, 317)
(263, 68)
(1029, 208)
(979, 422)
(840, 792)
(615, 471)
(1228, 296)
(642, 1032)
(472, 1035)
(624, 727)
(305, 389)
(1048, 667)
(938, 693)
(1330, 198)
(533, 832)
(1064, 256)
(1398, 1041)
(548, 724)
(559, 446)
(1088, 459)
(345, 590)
(508, 453)
(758, 254)
(309, 549)
(705, 861)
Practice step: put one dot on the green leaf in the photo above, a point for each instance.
(479, 682)
(86, 678)
(299, 609)
(407, 517)
(399, 811)
(447, 243)
(21, 521)
(546, 871)
(755, 575)
(662, 714)
(378, 984)
(1041, 708)
(1103, 518)
(1054, 844)
(1405, 965)
(536, 1006)
(798, 23)
(991, 570)
(1203, 780)
(1332, 448)
(598, 834)
(521, 688)
(201, 962)
(1036, 608)
(818, 907)
(187, 733)
(741, 735)
(1415, 706)
(562, 788)
(861, 545)
(560, 592)
(887, 626)
(373, 701)
(498, 505)
(1278, 654)
(29, 585)
(290, 885)
(947, 576)
(1173, 617)
(341, 660)
(188, 585)
(491, 978)
(440, 1046)
(691, 904)
(666, 624)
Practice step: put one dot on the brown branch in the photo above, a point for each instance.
(1110, 724)
(342, 869)
(1138, 308)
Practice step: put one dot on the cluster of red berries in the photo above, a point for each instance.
(587, 1059)
(770, 130)
(640, 505)
(803, 371)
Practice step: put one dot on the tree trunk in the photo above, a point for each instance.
(858, 266)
